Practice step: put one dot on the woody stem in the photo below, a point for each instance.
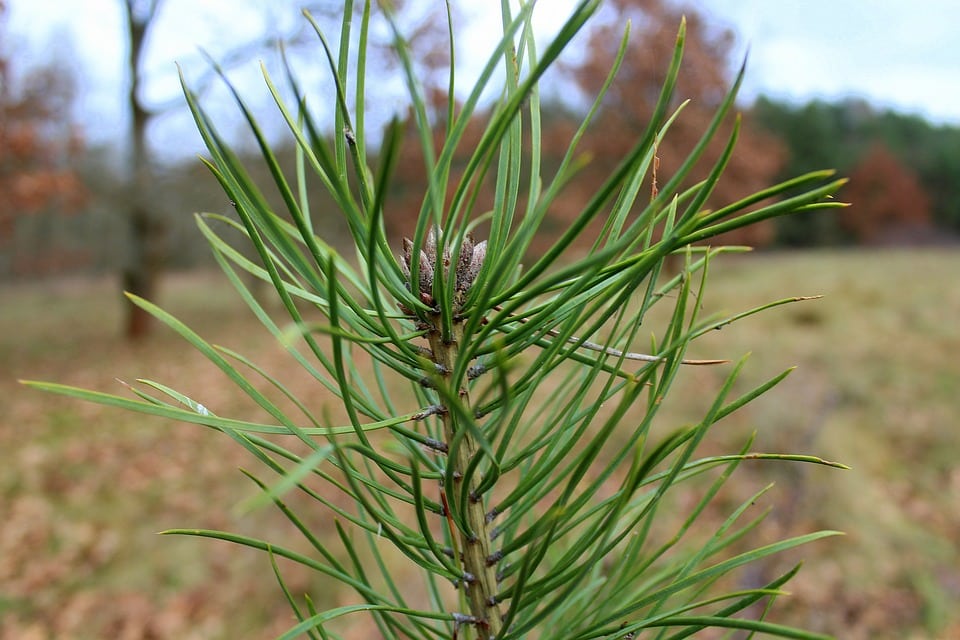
(480, 576)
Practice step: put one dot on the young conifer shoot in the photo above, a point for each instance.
(497, 433)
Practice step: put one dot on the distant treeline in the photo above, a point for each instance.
(904, 189)
(904, 172)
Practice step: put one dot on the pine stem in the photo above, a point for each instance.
(480, 576)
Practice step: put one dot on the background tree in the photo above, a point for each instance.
(704, 80)
(888, 205)
(38, 141)
(149, 220)
(147, 227)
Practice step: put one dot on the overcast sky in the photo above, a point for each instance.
(895, 54)
(903, 55)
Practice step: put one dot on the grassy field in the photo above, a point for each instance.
(83, 490)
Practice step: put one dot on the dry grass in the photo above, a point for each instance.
(83, 489)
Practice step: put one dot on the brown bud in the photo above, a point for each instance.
(476, 263)
(469, 263)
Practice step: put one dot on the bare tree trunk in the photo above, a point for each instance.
(147, 229)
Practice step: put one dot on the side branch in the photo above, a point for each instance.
(616, 353)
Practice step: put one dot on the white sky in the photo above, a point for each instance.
(903, 55)
(895, 54)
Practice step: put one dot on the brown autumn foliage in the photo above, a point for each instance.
(38, 143)
(888, 204)
(704, 80)
(622, 120)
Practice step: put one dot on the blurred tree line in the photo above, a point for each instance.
(904, 170)
(39, 148)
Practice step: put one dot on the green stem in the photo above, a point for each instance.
(480, 576)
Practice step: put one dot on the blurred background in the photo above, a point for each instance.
(100, 178)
